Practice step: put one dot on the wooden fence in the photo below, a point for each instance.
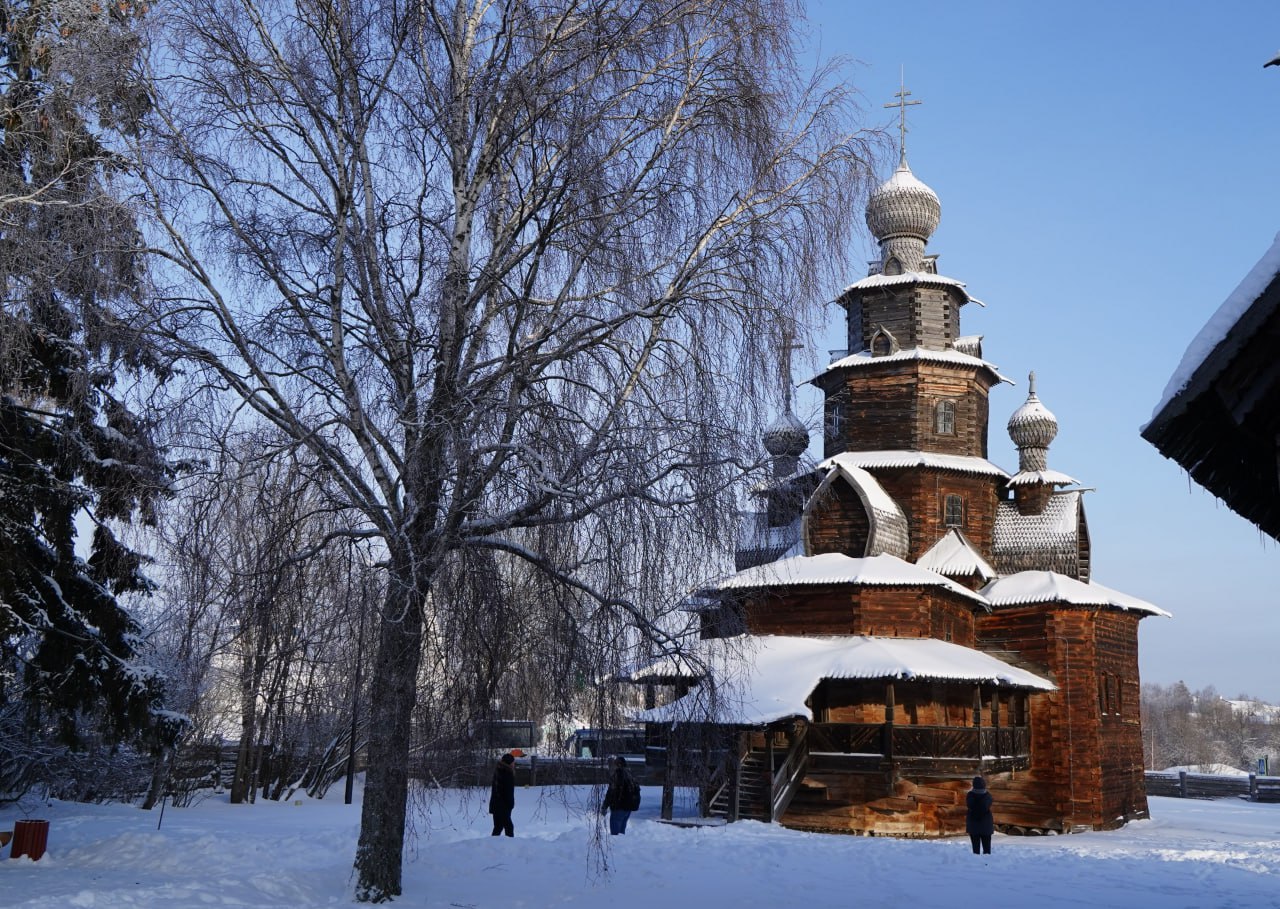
(1209, 786)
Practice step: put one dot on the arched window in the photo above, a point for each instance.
(883, 343)
(944, 418)
(893, 266)
(953, 514)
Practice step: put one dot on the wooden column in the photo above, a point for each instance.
(735, 783)
(888, 720)
(995, 719)
(977, 719)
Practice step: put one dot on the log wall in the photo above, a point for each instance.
(1086, 766)
(838, 522)
(922, 495)
(892, 406)
(916, 315)
(908, 612)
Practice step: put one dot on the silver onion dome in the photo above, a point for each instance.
(1033, 426)
(903, 206)
(786, 437)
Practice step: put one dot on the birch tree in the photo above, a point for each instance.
(511, 273)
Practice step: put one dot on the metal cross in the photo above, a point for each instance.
(902, 104)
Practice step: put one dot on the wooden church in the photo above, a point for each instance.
(906, 614)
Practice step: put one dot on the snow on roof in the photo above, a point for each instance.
(888, 531)
(880, 279)
(875, 496)
(1028, 587)
(950, 356)
(838, 568)
(1060, 518)
(954, 556)
(1221, 322)
(887, 460)
(768, 677)
(1035, 477)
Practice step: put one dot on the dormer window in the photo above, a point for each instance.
(893, 266)
(944, 418)
(953, 511)
(883, 343)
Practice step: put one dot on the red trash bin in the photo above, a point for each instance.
(30, 837)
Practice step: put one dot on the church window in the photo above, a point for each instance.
(944, 418)
(835, 419)
(893, 266)
(953, 512)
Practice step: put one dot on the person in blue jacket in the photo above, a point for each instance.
(978, 821)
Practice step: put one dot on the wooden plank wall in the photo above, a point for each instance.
(1086, 764)
(916, 315)
(910, 612)
(838, 522)
(922, 494)
(891, 407)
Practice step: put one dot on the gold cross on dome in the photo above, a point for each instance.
(902, 104)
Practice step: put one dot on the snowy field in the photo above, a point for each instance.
(1221, 854)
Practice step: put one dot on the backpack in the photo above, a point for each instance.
(631, 795)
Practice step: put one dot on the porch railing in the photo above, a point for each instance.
(881, 741)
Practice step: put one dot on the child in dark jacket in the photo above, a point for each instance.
(978, 820)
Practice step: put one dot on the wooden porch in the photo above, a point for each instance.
(757, 772)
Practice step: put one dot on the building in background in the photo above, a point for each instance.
(1220, 415)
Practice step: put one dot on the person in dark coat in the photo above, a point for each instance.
(978, 822)
(502, 795)
(620, 798)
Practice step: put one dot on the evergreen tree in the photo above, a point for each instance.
(72, 452)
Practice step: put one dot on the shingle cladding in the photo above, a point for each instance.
(1056, 539)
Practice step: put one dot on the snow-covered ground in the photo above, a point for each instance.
(1223, 854)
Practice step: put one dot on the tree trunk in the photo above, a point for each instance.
(159, 777)
(393, 697)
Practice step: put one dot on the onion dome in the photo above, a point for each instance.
(786, 437)
(902, 206)
(1033, 425)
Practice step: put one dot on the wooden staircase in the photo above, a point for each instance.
(751, 790)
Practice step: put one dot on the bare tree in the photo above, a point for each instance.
(511, 273)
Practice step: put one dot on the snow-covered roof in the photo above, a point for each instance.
(1036, 477)
(897, 459)
(879, 280)
(1028, 587)
(949, 356)
(954, 556)
(873, 493)
(1048, 540)
(768, 677)
(831, 568)
(888, 531)
(761, 541)
(1219, 325)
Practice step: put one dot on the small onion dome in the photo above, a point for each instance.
(786, 437)
(1033, 425)
(903, 206)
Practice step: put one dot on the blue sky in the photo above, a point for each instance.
(1108, 173)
